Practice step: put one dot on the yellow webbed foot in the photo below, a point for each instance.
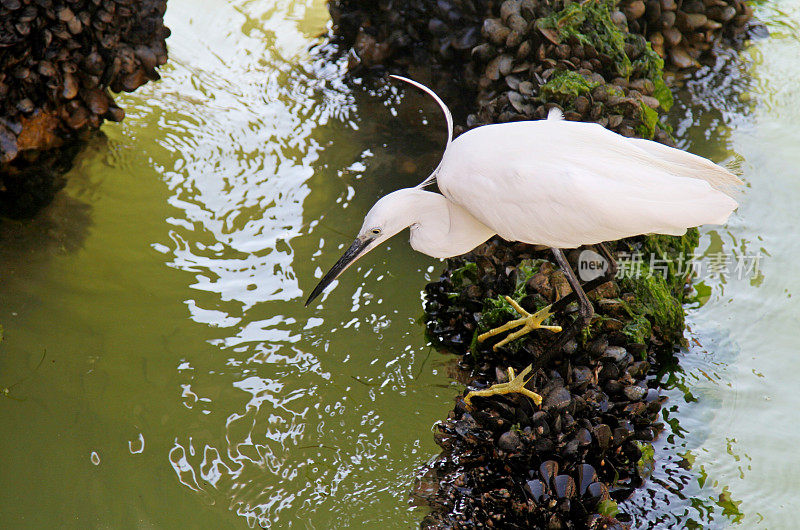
(529, 322)
(515, 385)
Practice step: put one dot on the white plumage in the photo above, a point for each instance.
(550, 182)
(565, 184)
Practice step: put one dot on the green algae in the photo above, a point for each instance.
(464, 275)
(654, 300)
(607, 507)
(590, 23)
(649, 117)
(651, 66)
(566, 85)
(646, 463)
(674, 253)
(526, 270)
(655, 307)
(638, 329)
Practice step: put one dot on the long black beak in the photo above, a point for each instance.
(350, 255)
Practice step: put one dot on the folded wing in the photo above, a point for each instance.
(566, 184)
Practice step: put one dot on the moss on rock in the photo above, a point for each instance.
(590, 23)
(566, 85)
(464, 275)
(675, 253)
(649, 118)
(638, 330)
(657, 292)
(651, 65)
(653, 299)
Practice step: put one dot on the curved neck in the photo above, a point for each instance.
(443, 229)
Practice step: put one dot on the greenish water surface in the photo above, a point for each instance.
(162, 371)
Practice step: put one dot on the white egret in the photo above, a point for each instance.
(558, 183)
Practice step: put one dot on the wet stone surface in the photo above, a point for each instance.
(598, 61)
(59, 63)
(565, 464)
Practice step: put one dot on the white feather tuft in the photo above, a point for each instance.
(555, 114)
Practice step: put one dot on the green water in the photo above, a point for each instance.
(183, 383)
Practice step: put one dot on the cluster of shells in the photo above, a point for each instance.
(505, 54)
(522, 57)
(409, 34)
(681, 31)
(60, 58)
(599, 405)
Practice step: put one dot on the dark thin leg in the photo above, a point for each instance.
(564, 337)
(586, 310)
(589, 286)
(611, 273)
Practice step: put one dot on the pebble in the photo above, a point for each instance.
(634, 10)
(495, 31)
(692, 21)
(525, 88)
(603, 435)
(582, 377)
(509, 442)
(652, 395)
(509, 8)
(586, 476)
(618, 354)
(548, 470)
(619, 19)
(564, 486)
(680, 58)
(638, 370)
(557, 399)
(535, 489)
(517, 23)
(635, 393)
(500, 65)
(484, 51)
(597, 490)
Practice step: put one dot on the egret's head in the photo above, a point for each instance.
(387, 217)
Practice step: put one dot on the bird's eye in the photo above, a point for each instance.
(376, 231)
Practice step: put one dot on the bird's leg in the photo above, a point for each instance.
(591, 285)
(529, 322)
(534, 321)
(585, 306)
(610, 274)
(516, 385)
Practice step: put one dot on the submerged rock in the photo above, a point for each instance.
(595, 400)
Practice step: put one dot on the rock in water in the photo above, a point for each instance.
(59, 59)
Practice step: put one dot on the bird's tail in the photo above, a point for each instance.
(684, 164)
